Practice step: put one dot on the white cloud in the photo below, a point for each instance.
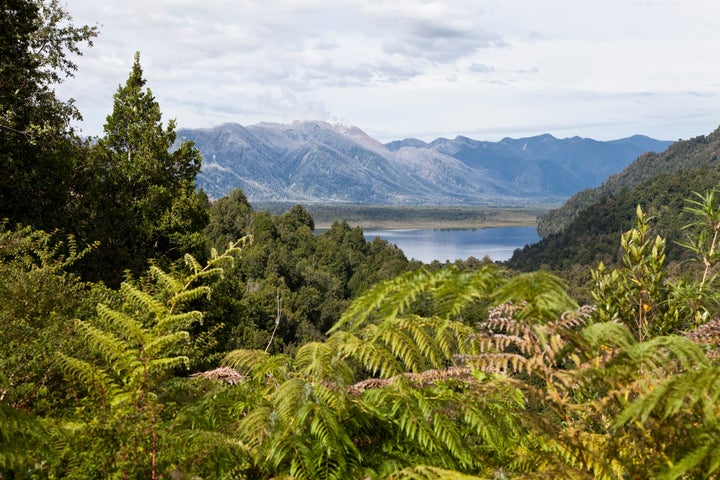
(413, 67)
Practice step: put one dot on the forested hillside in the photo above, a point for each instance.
(683, 155)
(585, 229)
(147, 332)
(592, 236)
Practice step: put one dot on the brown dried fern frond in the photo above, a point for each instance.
(502, 319)
(708, 334)
(574, 319)
(222, 374)
(424, 379)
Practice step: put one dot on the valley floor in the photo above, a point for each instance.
(412, 217)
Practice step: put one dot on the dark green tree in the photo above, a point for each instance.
(38, 149)
(230, 219)
(144, 204)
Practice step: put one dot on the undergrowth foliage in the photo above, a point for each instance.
(120, 386)
(435, 374)
(406, 387)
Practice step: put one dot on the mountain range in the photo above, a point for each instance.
(318, 162)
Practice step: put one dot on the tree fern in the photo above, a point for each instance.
(132, 359)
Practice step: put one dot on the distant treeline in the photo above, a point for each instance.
(403, 216)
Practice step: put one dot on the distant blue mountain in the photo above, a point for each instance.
(318, 162)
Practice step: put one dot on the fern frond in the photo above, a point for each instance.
(259, 365)
(117, 353)
(699, 387)
(121, 323)
(423, 333)
(142, 299)
(401, 407)
(255, 427)
(707, 454)
(455, 290)
(159, 366)
(400, 343)
(574, 319)
(95, 380)
(178, 321)
(607, 335)
(504, 363)
(544, 295)
(186, 296)
(668, 353)
(501, 318)
(192, 263)
(205, 274)
(423, 472)
(166, 281)
(320, 361)
(161, 344)
(451, 338)
(373, 357)
(388, 299)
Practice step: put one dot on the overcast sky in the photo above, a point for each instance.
(486, 69)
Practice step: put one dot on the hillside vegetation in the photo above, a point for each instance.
(682, 156)
(147, 332)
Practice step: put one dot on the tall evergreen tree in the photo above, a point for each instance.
(145, 202)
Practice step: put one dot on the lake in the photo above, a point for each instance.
(427, 245)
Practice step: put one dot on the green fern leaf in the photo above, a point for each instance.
(178, 321)
(320, 361)
(161, 344)
(166, 281)
(116, 352)
(706, 454)
(456, 290)
(387, 300)
(544, 294)
(97, 382)
(191, 262)
(186, 296)
(123, 324)
(143, 300)
(423, 472)
(259, 365)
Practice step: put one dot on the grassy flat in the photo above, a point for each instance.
(397, 217)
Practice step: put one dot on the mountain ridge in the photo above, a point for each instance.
(318, 162)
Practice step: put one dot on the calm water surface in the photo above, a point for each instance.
(427, 245)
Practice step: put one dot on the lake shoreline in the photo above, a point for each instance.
(433, 225)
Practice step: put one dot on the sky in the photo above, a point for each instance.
(485, 69)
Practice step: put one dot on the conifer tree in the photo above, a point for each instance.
(145, 204)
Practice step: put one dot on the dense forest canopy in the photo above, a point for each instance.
(146, 332)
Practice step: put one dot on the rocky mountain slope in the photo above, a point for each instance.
(316, 162)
